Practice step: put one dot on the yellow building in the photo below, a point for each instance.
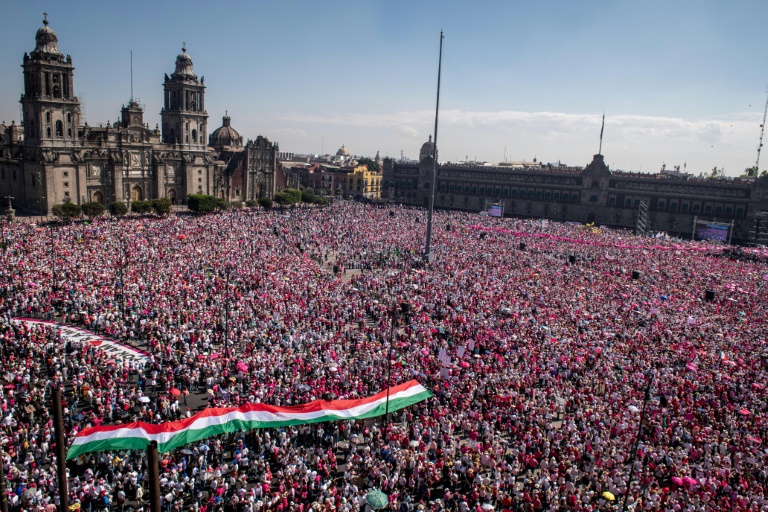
(363, 182)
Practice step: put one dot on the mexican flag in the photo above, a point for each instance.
(213, 421)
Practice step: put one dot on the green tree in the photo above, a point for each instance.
(251, 203)
(93, 209)
(293, 195)
(372, 164)
(118, 209)
(222, 204)
(282, 198)
(162, 206)
(750, 172)
(141, 207)
(236, 204)
(265, 203)
(201, 203)
(66, 211)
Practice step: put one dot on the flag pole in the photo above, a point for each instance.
(61, 449)
(600, 151)
(428, 242)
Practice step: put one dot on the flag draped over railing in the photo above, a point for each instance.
(213, 421)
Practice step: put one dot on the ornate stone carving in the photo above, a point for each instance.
(77, 156)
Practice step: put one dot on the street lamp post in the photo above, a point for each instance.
(226, 316)
(53, 260)
(646, 398)
(402, 312)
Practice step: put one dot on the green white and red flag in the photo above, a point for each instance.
(213, 421)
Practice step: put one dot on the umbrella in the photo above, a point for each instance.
(242, 366)
(74, 506)
(609, 496)
(745, 412)
(175, 392)
(377, 499)
(633, 408)
(689, 480)
(677, 480)
(186, 451)
(413, 444)
(9, 386)
(488, 506)
(144, 399)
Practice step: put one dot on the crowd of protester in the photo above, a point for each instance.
(544, 344)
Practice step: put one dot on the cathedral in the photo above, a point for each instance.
(53, 158)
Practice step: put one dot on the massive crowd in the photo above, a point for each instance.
(542, 358)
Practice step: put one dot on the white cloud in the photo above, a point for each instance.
(631, 141)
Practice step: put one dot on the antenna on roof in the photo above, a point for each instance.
(762, 131)
(131, 76)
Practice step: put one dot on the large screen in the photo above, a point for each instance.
(718, 232)
(494, 210)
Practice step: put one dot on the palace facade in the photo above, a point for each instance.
(52, 157)
(669, 202)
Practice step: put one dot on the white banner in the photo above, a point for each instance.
(114, 348)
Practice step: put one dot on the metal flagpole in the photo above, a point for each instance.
(600, 151)
(61, 449)
(428, 243)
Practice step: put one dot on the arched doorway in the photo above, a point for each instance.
(98, 197)
(136, 193)
(172, 195)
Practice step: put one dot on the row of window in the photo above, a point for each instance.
(562, 196)
(676, 206)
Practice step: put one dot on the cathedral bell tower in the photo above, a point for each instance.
(50, 109)
(184, 118)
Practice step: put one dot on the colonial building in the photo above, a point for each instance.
(53, 158)
(670, 202)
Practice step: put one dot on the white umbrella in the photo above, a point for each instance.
(633, 408)
(144, 399)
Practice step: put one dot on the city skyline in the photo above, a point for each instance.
(679, 85)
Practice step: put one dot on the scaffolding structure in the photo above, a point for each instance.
(641, 226)
(759, 233)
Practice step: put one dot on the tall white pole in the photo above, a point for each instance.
(428, 243)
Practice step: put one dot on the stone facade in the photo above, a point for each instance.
(590, 194)
(53, 158)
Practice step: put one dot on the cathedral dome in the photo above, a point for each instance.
(46, 39)
(342, 151)
(225, 135)
(427, 150)
(184, 65)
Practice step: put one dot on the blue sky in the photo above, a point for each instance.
(681, 81)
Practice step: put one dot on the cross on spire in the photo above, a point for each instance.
(45, 18)
(183, 46)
